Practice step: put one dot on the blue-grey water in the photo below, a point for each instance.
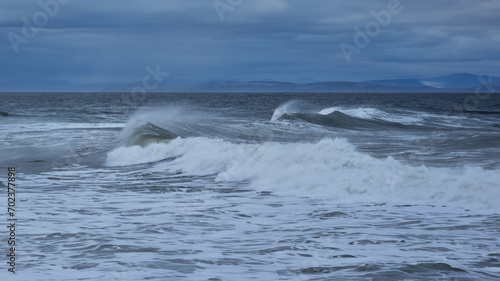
(221, 186)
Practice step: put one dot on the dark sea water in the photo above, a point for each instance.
(221, 186)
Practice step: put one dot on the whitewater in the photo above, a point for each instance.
(282, 186)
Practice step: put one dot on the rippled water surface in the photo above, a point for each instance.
(253, 187)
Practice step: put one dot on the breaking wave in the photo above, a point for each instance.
(148, 134)
(287, 163)
(346, 118)
(330, 168)
(341, 120)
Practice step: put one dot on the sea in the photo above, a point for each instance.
(251, 186)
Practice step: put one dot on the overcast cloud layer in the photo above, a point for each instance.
(102, 43)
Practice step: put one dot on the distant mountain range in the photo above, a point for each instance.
(461, 82)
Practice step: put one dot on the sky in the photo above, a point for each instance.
(74, 45)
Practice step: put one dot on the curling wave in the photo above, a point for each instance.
(148, 134)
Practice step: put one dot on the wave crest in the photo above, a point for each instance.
(148, 134)
(330, 168)
(344, 117)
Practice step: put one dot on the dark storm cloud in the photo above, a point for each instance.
(111, 42)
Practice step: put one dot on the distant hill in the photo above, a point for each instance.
(461, 82)
(259, 86)
(360, 87)
(487, 88)
(397, 82)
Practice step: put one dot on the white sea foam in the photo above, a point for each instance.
(330, 168)
(42, 127)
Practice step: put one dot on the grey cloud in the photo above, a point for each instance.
(298, 41)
